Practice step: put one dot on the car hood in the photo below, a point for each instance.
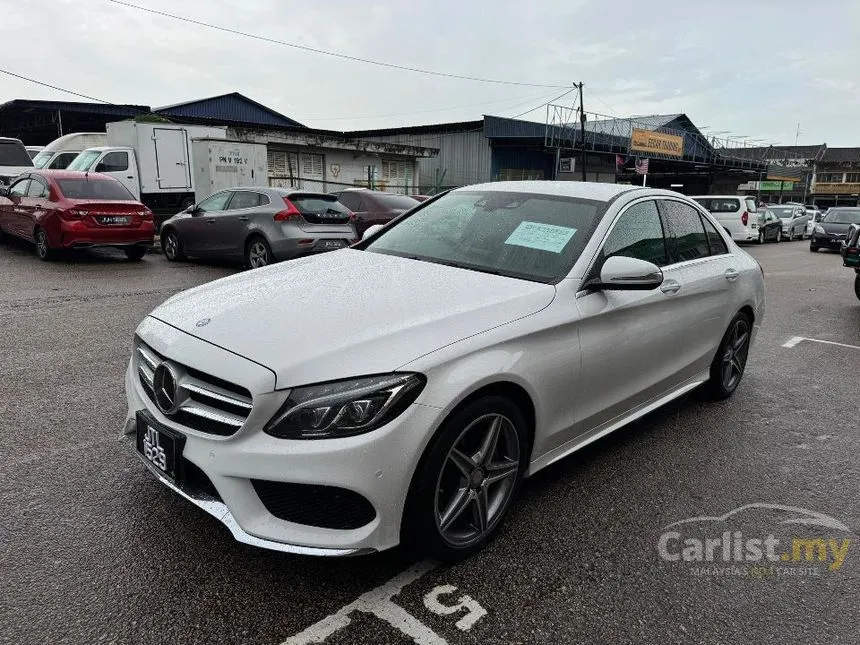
(348, 313)
(831, 228)
(14, 171)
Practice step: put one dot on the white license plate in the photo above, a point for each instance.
(331, 244)
(114, 220)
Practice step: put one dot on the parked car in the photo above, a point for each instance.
(400, 389)
(13, 160)
(737, 214)
(59, 209)
(833, 228)
(851, 255)
(259, 225)
(769, 227)
(815, 216)
(794, 219)
(373, 207)
(33, 150)
(58, 154)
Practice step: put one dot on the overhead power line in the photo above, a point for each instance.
(537, 107)
(315, 50)
(54, 87)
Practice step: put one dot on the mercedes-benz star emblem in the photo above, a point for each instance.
(164, 384)
(203, 322)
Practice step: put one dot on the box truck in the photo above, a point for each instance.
(59, 153)
(221, 163)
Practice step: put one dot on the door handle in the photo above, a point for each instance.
(670, 286)
(210, 221)
(732, 274)
(244, 218)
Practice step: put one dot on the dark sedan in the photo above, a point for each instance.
(833, 228)
(373, 207)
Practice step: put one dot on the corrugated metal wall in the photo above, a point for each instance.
(464, 158)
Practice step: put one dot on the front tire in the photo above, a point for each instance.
(761, 236)
(779, 236)
(813, 248)
(857, 286)
(43, 248)
(258, 253)
(466, 480)
(727, 368)
(171, 246)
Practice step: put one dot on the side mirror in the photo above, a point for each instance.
(371, 230)
(4, 191)
(191, 209)
(629, 274)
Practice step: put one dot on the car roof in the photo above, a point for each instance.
(583, 190)
(722, 197)
(69, 174)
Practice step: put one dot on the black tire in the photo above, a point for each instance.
(171, 246)
(761, 236)
(778, 236)
(43, 248)
(728, 370)
(857, 286)
(135, 253)
(258, 253)
(433, 484)
(813, 248)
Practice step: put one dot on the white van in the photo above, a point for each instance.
(58, 154)
(737, 213)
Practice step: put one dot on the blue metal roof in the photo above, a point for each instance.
(229, 109)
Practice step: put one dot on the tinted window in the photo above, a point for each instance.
(716, 241)
(37, 189)
(19, 189)
(638, 234)
(523, 235)
(62, 160)
(750, 204)
(215, 203)
(394, 202)
(92, 188)
(13, 153)
(350, 200)
(113, 162)
(686, 234)
(244, 199)
(319, 205)
(842, 216)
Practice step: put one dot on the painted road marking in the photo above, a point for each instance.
(377, 602)
(794, 342)
(476, 612)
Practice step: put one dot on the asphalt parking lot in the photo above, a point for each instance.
(94, 550)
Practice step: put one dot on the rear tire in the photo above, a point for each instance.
(727, 368)
(813, 248)
(258, 253)
(135, 253)
(43, 248)
(171, 246)
(453, 509)
(779, 236)
(857, 286)
(761, 236)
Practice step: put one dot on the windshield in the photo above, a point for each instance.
(41, 159)
(521, 235)
(84, 160)
(395, 201)
(13, 153)
(94, 189)
(782, 212)
(844, 216)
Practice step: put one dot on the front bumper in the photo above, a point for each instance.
(378, 465)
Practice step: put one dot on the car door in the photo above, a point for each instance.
(630, 339)
(199, 231)
(38, 202)
(710, 273)
(231, 224)
(16, 210)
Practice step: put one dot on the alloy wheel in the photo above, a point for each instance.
(735, 356)
(258, 254)
(171, 246)
(42, 249)
(477, 480)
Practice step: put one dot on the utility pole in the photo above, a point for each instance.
(582, 120)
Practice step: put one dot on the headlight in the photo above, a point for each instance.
(344, 408)
(820, 229)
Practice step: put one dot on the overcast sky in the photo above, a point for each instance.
(755, 68)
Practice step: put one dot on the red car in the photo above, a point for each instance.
(61, 209)
(372, 207)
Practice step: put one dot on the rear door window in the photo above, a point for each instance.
(244, 199)
(37, 189)
(685, 232)
(715, 240)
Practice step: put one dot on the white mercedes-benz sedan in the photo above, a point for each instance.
(399, 390)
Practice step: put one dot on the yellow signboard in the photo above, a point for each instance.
(836, 189)
(657, 143)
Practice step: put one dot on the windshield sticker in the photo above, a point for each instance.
(543, 237)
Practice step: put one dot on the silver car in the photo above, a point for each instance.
(258, 225)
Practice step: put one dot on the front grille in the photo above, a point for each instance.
(327, 507)
(206, 403)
